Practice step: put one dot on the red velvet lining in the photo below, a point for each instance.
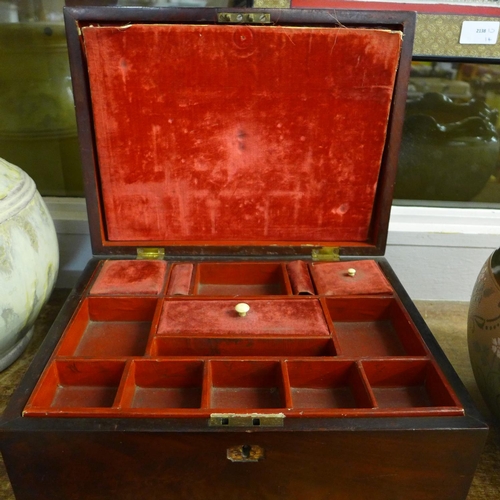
(240, 133)
(332, 278)
(130, 277)
(218, 317)
(298, 272)
(180, 279)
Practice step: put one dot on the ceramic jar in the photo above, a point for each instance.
(37, 123)
(483, 331)
(448, 151)
(29, 259)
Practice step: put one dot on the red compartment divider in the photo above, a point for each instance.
(356, 356)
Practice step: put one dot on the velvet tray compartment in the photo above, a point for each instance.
(165, 355)
(198, 388)
(239, 156)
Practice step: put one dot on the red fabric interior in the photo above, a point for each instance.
(332, 278)
(180, 279)
(218, 317)
(239, 133)
(130, 277)
(300, 279)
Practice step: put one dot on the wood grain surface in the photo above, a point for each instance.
(448, 322)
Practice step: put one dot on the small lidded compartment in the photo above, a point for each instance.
(239, 384)
(328, 384)
(130, 277)
(164, 384)
(220, 317)
(373, 327)
(109, 327)
(357, 277)
(69, 386)
(400, 384)
(241, 279)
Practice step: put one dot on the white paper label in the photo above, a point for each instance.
(479, 32)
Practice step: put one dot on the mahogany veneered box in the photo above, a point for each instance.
(239, 334)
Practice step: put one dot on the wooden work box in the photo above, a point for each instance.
(240, 157)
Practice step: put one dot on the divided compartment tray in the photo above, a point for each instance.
(194, 356)
(201, 387)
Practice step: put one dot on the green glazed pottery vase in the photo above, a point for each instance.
(483, 331)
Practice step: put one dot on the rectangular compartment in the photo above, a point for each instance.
(241, 347)
(372, 327)
(109, 327)
(405, 384)
(246, 385)
(328, 384)
(76, 386)
(241, 279)
(164, 384)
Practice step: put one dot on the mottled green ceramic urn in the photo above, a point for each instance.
(29, 259)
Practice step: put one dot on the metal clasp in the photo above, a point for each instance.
(244, 18)
(246, 420)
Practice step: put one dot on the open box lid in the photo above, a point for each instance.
(239, 132)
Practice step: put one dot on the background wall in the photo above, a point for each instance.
(436, 252)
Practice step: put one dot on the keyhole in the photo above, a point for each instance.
(245, 450)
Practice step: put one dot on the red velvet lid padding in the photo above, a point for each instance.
(254, 134)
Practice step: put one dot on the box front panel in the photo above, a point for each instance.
(414, 465)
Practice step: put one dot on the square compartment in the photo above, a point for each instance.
(372, 327)
(408, 384)
(241, 279)
(78, 384)
(164, 384)
(327, 384)
(246, 385)
(109, 327)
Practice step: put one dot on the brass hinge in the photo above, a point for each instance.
(246, 420)
(271, 4)
(326, 254)
(150, 253)
(244, 18)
